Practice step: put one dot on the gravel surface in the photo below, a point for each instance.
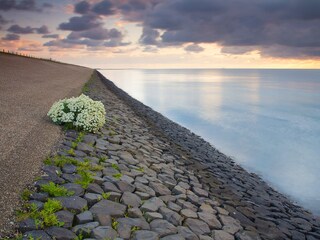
(28, 87)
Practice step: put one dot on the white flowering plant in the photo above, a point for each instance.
(81, 113)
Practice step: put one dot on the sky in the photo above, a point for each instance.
(165, 33)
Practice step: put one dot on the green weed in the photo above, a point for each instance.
(55, 190)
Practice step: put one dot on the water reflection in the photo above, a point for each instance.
(269, 120)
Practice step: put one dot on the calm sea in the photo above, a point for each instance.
(267, 120)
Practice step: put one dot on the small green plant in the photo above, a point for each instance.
(86, 178)
(105, 195)
(74, 145)
(134, 229)
(103, 159)
(71, 152)
(80, 236)
(25, 195)
(55, 190)
(115, 224)
(44, 218)
(115, 166)
(60, 161)
(140, 169)
(117, 175)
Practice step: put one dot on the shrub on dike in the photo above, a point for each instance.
(81, 113)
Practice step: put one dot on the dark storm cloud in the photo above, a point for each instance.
(50, 36)
(20, 30)
(24, 5)
(194, 48)
(82, 7)
(104, 7)
(91, 38)
(3, 21)
(246, 24)
(81, 23)
(11, 37)
(42, 30)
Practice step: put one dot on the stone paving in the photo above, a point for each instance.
(129, 181)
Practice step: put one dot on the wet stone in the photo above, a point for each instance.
(127, 157)
(42, 197)
(114, 196)
(173, 206)
(60, 233)
(27, 225)
(69, 168)
(66, 217)
(187, 213)
(159, 188)
(84, 217)
(94, 188)
(130, 199)
(84, 147)
(75, 188)
(76, 204)
(92, 198)
(146, 189)
(197, 226)
(200, 192)
(71, 177)
(187, 233)
(103, 219)
(178, 190)
(230, 225)
(125, 225)
(247, 235)
(150, 216)
(145, 235)
(104, 232)
(109, 208)
(134, 212)
(163, 227)
(36, 234)
(109, 187)
(210, 219)
(152, 205)
(125, 186)
(171, 216)
(173, 237)
(221, 235)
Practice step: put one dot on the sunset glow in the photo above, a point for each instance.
(165, 34)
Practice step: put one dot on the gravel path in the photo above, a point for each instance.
(28, 87)
(135, 180)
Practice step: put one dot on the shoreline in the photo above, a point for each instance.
(229, 177)
(153, 179)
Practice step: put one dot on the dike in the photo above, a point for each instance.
(145, 177)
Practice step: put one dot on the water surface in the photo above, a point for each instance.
(267, 120)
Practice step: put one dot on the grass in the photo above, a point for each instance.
(55, 190)
(117, 175)
(114, 224)
(44, 218)
(115, 166)
(86, 179)
(25, 195)
(105, 195)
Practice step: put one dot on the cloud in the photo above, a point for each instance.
(42, 30)
(84, 22)
(104, 7)
(255, 25)
(82, 7)
(20, 30)
(91, 38)
(50, 36)
(23, 5)
(2, 21)
(11, 37)
(194, 48)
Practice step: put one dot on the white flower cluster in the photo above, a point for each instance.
(81, 112)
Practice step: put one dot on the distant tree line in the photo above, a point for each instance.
(27, 55)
